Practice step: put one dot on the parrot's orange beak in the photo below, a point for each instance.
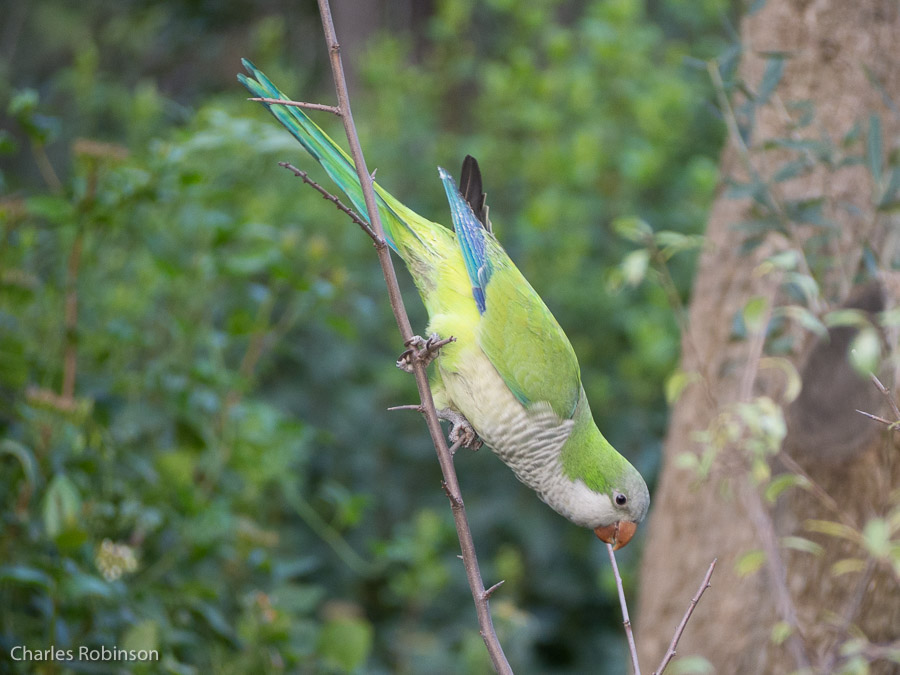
(617, 534)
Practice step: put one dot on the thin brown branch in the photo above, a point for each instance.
(445, 459)
(781, 594)
(629, 634)
(887, 394)
(850, 612)
(334, 110)
(330, 197)
(875, 417)
(670, 652)
(820, 493)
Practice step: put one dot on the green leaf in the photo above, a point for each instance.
(750, 563)
(832, 529)
(690, 665)
(874, 148)
(802, 544)
(142, 635)
(792, 169)
(632, 228)
(771, 78)
(781, 631)
(847, 317)
(634, 266)
(781, 483)
(803, 317)
(26, 576)
(346, 642)
(61, 507)
(677, 382)
(877, 537)
(890, 197)
(29, 465)
(79, 586)
(848, 565)
(13, 363)
(54, 209)
(754, 313)
(865, 351)
(808, 211)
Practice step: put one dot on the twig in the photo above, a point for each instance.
(850, 612)
(820, 493)
(330, 197)
(784, 604)
(670, 652)
(334, 110)
(445, 459)
(895, 425)
(629, 634)
(887, 394)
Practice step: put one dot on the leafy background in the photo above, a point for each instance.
(225, 434)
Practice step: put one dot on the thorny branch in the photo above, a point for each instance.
(895, 410)
(445, 458)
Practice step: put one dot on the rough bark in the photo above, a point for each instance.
(836, 50)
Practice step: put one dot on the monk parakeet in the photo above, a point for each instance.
(511, 372)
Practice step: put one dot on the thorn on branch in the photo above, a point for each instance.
(418, 407)
(455, 501)
(892, 426)
(333, 199)
(334, 110)
(490, 591)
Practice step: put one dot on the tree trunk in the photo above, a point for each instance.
(844, 59)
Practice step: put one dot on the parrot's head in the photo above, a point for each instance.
(630, 501)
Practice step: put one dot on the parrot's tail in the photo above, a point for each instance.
(396, 219)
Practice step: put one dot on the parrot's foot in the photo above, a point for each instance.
(462, 434)
(424, 350)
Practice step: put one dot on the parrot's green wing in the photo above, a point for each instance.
(517, 332)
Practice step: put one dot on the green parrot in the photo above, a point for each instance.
(511, 372)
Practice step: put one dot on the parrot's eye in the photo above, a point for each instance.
(621, 499)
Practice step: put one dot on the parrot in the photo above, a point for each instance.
(511, 372)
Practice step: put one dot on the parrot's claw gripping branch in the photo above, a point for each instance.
(422, 350)
(462, 434)
(461, 431)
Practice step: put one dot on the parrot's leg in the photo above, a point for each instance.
(461, 431)
(424, 350)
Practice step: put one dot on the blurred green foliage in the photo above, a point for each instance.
(223, 484)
